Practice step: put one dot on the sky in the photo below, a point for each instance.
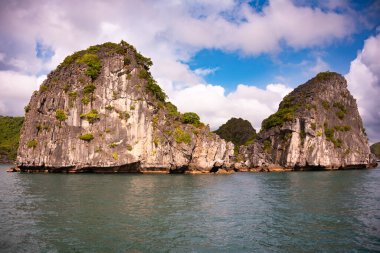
(220, 59)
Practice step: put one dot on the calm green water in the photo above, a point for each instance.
(245, 212)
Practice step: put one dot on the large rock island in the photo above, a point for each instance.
(317, 126)
(101, 111)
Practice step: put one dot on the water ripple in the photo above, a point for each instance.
(246, 212)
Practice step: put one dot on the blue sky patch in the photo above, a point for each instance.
(43, 51)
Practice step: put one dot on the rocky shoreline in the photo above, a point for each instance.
(270, 168)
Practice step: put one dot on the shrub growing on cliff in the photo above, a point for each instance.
(181, 136)
(153, 87)
(73, 95)
(94, 64)
(60, 115)
(172, 109)
(344, 128)
(127, 61)
(86, 137)
(340, 114)
(32, 143)
(329, 133)
(144, 74)
(89, 88)
(43, 88)
(191, 118)
(85, 100)
(325, 104)
(146, 62)
(90, 116)
(285, 112)
(267, 146)
(324, 76)
(109, 107)
(124, 115)
(340, 106)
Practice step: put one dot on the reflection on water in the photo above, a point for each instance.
(287, 212)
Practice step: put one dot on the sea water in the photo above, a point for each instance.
(337, 211)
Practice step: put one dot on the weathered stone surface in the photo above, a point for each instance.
(318, 126)
(115, 122)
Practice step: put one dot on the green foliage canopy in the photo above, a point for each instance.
(10, 135)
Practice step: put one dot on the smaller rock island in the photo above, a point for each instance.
(316, 127)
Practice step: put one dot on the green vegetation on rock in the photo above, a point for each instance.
(124, 115)
(86, 100)
(325, 104)
(172, 110)
(32, 143)
(146, 62)
(375, 149)
(344, 128)
(109, 107)
(127, 61)
(342, 110)
(329, 133)
(267, 146)
(89, 88)
(181, 136)
(73, 95)
(86, 137)
(90, 116)
(43, 88)
(60, 115)
(9, 136)
(238, 131)
(94, 65)
(191, 118)
(285, 113)
(156, 90)
(323, 76)
(144, 74)
(66, 88)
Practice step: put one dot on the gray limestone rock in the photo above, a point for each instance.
(101, 111)
(317, 126)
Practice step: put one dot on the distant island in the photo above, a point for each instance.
(9, 137)
(102, 111)
(375, 149)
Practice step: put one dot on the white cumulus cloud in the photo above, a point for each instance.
(364, 83)
(215, 107)
(16, 90)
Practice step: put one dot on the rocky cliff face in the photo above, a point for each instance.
(317, 126)
(101, 111)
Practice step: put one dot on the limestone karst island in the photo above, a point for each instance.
(101, 111)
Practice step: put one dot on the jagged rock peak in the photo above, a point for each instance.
(101, 110)
(316, 126)
(237, 130)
